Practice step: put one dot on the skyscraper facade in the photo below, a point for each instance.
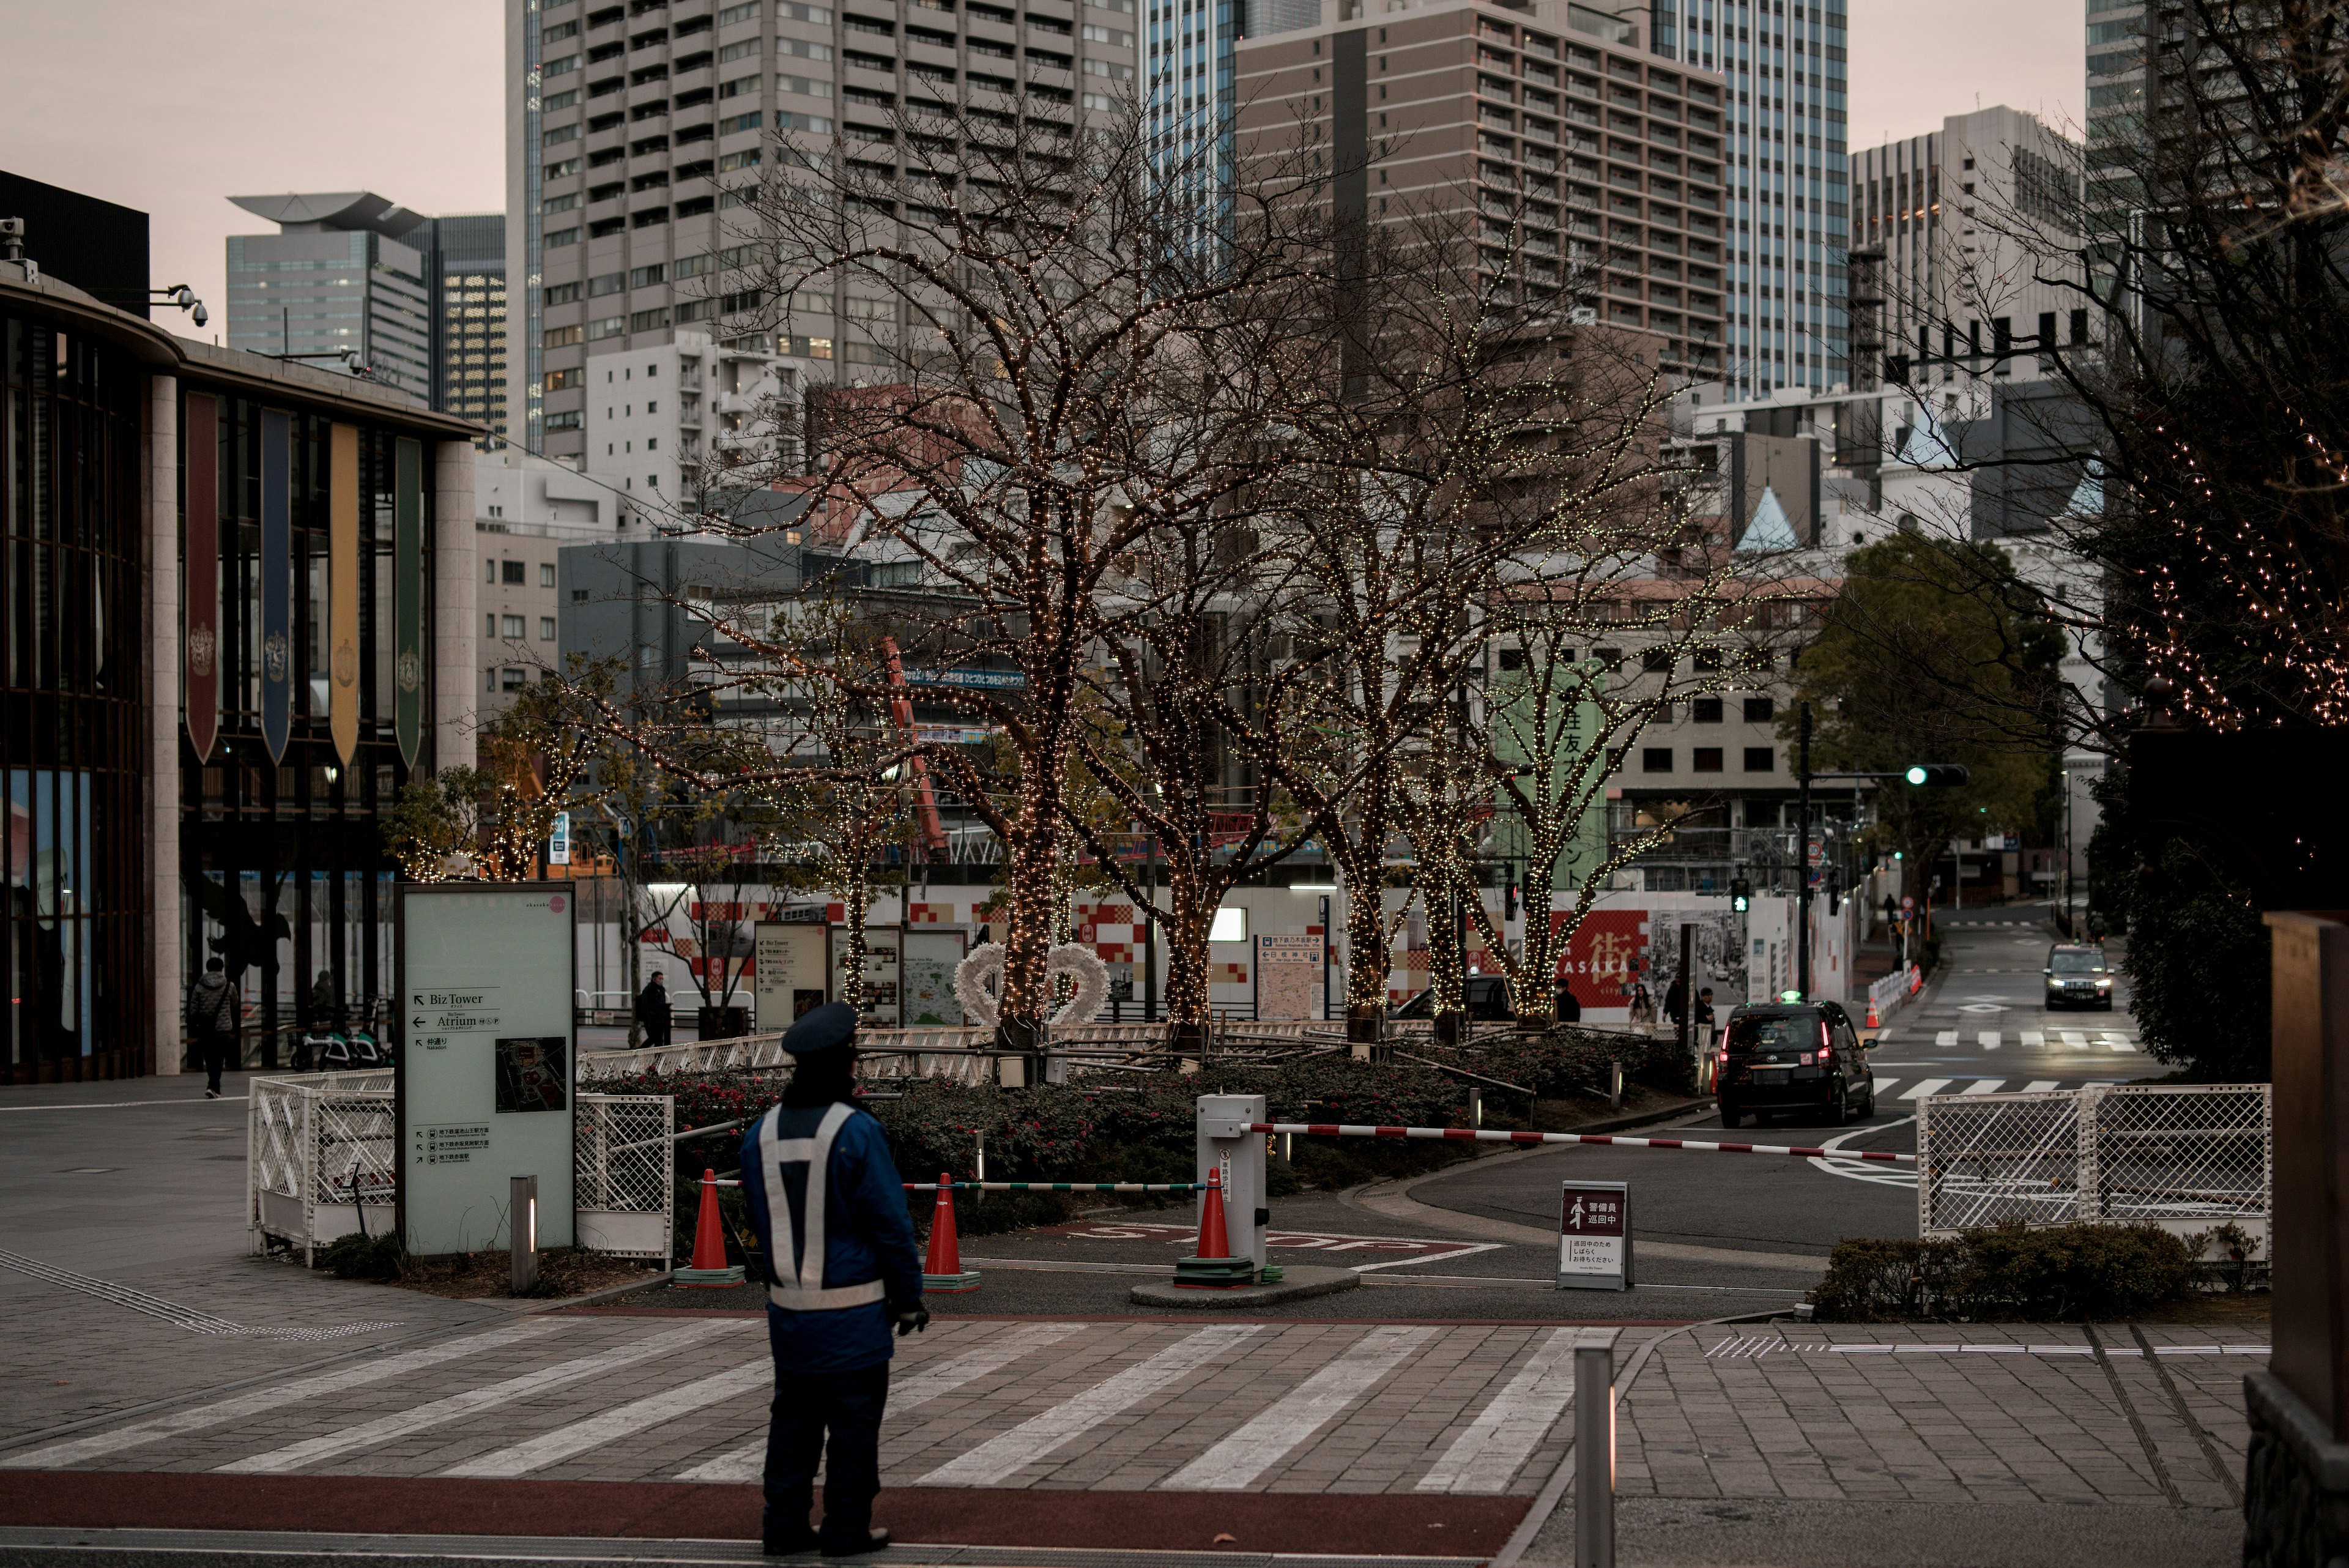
(338, 275)
(420, 302)
(632, 129)
(465, 262)
(1785, 129)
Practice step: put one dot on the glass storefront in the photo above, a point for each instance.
(72, 743)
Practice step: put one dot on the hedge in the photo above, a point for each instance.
(2060, 1273)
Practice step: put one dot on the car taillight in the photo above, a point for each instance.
(1725, 1057)
(1827, 1055)
(1825, 1040)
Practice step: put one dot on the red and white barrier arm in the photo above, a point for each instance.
(1484, 1135)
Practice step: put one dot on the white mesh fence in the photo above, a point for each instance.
(2187, 1157)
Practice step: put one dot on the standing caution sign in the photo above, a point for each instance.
(486, 1062)
(1594, 1237)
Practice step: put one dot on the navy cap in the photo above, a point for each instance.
(826, 1028)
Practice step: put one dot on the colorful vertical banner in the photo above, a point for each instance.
(343, 587)
(200, 574)
(407, 596)
(276, 581)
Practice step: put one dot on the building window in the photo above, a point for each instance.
(1760, 759)
(515, 680)
(1657, 660)
(513, 572)
(546, 574)
(546, 629)
(1655, 759)
(1705, 709)
(1706, 759)
(512, 627)
(1759, 710)
(1708, 659)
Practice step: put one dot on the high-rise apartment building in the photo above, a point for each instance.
(632, 130)
(1594, 172)
(1783, 157)
(1941, 223)
(2117, 64)
(420, 302)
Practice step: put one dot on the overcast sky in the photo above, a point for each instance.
(173, 108)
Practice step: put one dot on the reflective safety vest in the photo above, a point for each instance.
(806, 1291)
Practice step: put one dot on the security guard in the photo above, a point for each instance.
(842, 1268)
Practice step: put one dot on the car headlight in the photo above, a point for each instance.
(2103, 984)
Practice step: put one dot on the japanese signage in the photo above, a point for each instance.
(1603, 958)
(1286, 969)
(788, 979)
(1594, 1236)
(485, 1062)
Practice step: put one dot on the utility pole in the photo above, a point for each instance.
(1803, 858)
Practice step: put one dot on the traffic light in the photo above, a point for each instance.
(1936, 775)
(1509, 901)
(1741, 894)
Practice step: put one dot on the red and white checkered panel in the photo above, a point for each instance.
(1110, 930)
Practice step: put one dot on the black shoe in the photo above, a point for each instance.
(797, 1545)
(875, 1540)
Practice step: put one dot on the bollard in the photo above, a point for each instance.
(1594, 1448)
(1228, 1146)
(1476, 1106)
(522, 1232)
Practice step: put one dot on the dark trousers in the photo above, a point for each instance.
(807, 1405)
(215, 1052)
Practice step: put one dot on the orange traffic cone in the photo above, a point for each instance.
(943, 1271)
(1873, 1022)
(1214, 1268)
(709, 1269)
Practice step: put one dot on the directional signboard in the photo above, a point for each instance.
(485, 1062)
(1594, 1237)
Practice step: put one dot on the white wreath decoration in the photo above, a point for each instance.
(979, 982)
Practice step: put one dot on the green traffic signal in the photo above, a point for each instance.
(1741, 895)
(1937, 774)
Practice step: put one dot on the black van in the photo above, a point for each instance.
(1792, 1056)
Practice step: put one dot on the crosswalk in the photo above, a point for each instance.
(2036, 1039)
(1173, 1407)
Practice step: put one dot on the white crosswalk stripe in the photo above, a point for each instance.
(301, 1391)
(1926, 1086)
(554, 1447)
(2033, 1038)
(1945, 1037)
(2072, 1037)
(747, 1462)
(474, 1401)
(1508, 1429)
(1294, 1417)
(1988, 1039)
(2039, 1086)
(1004, 1454)
(1884, 1082)
(2120, 1043)
(1983, 1086)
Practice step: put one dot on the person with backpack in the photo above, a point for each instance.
(213, 1012)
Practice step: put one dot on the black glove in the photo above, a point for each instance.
(913, 1319)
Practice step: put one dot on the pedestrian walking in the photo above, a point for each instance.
(1570, 1006)
(837, 1246)
(212, 1013)
(1704, 1013)
(653, 1010)
(1643, 1006)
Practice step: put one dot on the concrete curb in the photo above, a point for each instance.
(596, 1298)
(1296, 1284)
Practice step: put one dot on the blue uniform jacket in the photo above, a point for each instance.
(868, 1235)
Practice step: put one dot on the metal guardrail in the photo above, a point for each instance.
(2187, 1157)
(321, 1159)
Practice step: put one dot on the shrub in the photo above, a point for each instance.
(2006, 1273)
(357, 1257)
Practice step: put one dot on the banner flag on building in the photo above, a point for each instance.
(201, 574)
(407, 598)
(343, 588)
(276, 581)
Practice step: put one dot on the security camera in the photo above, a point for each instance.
(202, 315)
(185, 297)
